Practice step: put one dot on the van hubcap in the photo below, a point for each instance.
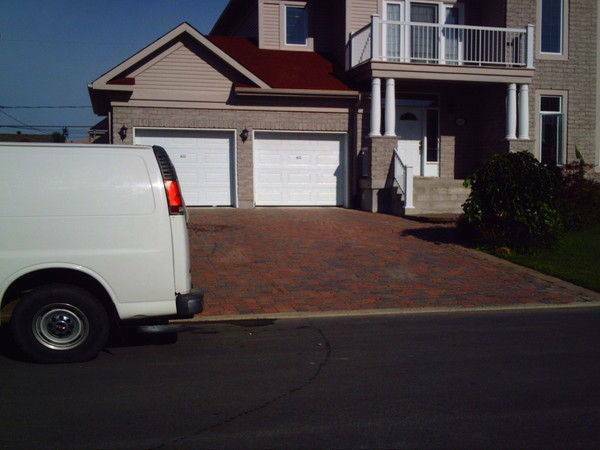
(60, 326)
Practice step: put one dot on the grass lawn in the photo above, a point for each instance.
(574, 258)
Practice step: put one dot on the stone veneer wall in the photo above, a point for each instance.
(239, 119)
(577, 75)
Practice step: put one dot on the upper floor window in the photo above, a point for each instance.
(552, 22)
(296, 25)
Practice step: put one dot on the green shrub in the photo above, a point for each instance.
(580, 196)
(513, 202)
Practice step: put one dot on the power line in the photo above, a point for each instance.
(44, 107)
(57, 41)
(31, 127)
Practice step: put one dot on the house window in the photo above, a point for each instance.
(423, 38)
(552, 26)
(552, 130)
(296, 25)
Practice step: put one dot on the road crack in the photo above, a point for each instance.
(266, 403)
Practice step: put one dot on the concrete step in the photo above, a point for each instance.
(438, 196)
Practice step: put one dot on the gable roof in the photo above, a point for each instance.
(264, 70)
(113, 81)
(234, 10)
(282, 69)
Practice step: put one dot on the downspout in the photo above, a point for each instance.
(110, 127)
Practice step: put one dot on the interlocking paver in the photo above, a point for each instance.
(268, 260)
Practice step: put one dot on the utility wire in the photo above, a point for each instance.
(43, 107)
(57, 41)
(32, 127)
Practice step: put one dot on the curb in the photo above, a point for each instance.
(389, 312)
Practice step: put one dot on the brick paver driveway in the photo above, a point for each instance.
(281, 260)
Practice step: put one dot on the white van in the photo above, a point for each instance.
(90, 235)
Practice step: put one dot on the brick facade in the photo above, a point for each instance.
(236, 120)
(481, 107)
(472, 114)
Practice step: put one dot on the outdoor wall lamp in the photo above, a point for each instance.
(123, 132)
(244, 134)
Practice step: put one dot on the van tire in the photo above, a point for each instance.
(59, 323)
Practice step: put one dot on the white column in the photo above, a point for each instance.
(375, 107)
(524, 111)
(390, 107)
(511, 111)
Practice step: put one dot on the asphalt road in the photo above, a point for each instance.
(493, 380)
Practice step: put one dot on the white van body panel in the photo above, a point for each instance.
(98, 208)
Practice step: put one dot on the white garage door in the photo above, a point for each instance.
(299, 169)
(203, 161)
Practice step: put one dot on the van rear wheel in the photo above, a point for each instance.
(59, 323)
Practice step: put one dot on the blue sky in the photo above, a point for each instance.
(51, 50)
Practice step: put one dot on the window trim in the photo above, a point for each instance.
(538, 126)
(284, 42)
(564, 54)
(441, 4)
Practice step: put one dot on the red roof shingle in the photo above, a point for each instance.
(282, 69)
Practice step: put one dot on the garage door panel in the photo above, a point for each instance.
(187, 176)
(298, 169)
(204, 162)
(299, 178)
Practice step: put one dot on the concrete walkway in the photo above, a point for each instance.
(319, 260)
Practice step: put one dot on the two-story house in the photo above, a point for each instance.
(372, 104)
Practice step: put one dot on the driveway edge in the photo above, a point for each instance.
(587, 294)
(390, 312)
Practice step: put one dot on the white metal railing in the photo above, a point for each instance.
(403, 178)
(425, 43)
(360, 46)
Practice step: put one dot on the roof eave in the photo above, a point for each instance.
(312, 93)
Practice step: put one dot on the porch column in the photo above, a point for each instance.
(375, 107)
(524, 111)
(511, 111)
(390, 107)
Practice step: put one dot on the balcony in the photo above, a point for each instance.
(449, 49)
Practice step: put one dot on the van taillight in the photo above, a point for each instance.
(169, 176)
(174, 198)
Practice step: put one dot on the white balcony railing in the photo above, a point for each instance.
(425, 43)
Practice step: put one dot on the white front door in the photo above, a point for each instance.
(410, 129)
(299, 169)
(203, 160)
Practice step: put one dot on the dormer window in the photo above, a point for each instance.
(296, 25)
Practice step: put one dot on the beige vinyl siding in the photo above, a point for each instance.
(322, 16)
(360, 12)
(270, 25)
(184, 73)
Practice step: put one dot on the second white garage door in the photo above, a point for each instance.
(299, 169)
(204, 161)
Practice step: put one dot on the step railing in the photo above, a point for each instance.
(403, 180)
(427, 43)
